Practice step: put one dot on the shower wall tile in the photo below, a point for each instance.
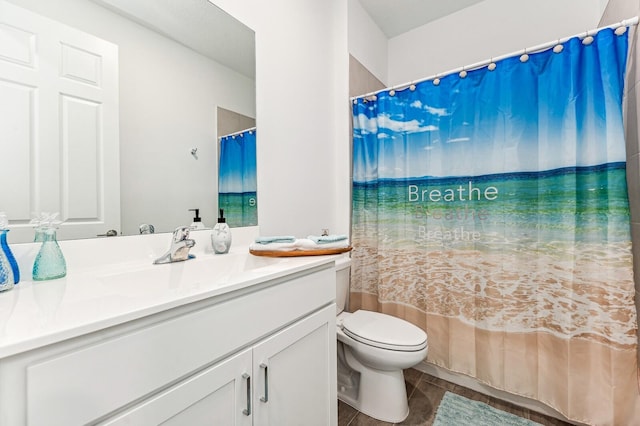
(633, 70)
(633, 186)
(635, 236)
(617, 10)
(631, 118)
(361, 80)
(638, 329)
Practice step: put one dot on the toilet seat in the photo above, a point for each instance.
(384, 331)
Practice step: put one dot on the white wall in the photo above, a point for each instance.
(367, 42)
(168, 100)
(487, 29)
(302, 112)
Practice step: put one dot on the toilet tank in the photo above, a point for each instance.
(343, 275)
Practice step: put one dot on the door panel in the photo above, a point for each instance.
(59, 94)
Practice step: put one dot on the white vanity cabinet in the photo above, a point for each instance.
(284, 380)
(262, 355)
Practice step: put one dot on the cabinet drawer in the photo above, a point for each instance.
(84, 385)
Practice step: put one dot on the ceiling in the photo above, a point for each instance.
(395, 17)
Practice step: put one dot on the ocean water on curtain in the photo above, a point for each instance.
(240, 209)
(501, 212)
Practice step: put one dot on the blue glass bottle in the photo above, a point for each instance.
(49, 263)
(9, 254)
(6, 274)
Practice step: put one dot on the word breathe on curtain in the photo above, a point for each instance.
(237, 182)
(492, 211)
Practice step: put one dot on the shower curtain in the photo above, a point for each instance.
(490, 208)
(237, 183)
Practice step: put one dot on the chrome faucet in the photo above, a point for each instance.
(180, 245)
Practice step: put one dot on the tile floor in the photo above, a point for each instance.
(425, 393)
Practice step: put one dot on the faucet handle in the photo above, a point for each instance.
(147, 228)
(181, 233)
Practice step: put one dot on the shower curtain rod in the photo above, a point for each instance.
(624, 23)
(237, 133)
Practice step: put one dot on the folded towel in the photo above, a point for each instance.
(276, 239)
(325, 239)
(299, 244)
(309, 244)
(273, 246)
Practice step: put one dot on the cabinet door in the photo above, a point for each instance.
(295, 374)
(219, 395)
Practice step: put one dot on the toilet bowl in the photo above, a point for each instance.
(373, 349)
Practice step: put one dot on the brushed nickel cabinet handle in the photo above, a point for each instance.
(265, 398)
(247, 411)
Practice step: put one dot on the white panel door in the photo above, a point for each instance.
(59, 126)
(293, 374)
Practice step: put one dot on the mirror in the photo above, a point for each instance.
(177, 65)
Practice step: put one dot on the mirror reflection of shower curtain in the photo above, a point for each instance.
(492, 211)
(237, 183)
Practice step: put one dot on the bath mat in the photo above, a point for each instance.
(457, 410)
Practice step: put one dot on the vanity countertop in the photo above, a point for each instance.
(36, 314)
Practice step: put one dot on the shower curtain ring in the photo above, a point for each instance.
(492, 65)
(463, 73)
(587, 40)
(558, 47)
(436, 81)
(525, 56)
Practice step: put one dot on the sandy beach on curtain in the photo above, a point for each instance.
(578, 290)
(560, 323)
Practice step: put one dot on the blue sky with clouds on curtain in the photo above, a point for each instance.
(511, 119)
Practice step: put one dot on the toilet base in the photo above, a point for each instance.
(378, 394)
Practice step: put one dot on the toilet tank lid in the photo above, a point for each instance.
(384, 330)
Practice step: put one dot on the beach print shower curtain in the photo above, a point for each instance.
(237, 182)
(491, 210)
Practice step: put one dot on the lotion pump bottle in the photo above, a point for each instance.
(221, 235)
(197, 220)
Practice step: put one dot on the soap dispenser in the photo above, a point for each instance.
(197, 220)
(221, 235)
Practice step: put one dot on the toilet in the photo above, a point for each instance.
(373, 349)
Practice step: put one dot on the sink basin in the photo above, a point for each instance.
(205, 270)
